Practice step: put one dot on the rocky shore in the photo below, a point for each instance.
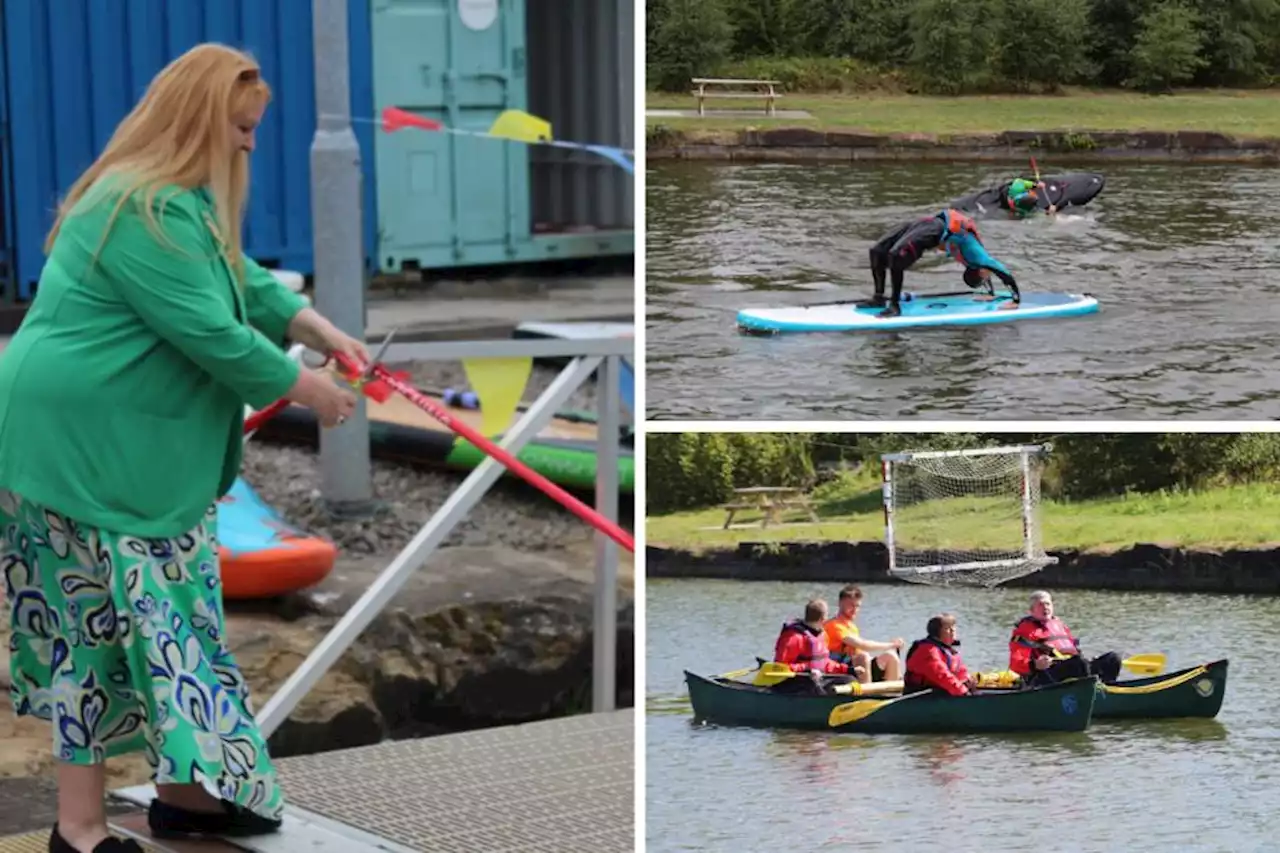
(790, 144)
(1142, 567)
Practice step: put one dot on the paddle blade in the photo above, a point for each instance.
(737, 673)
(1152, 663)
(773, 672)
(394, 118)
(521, 126)
(851, 712)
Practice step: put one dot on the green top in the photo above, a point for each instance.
(122, 394)
(1021, 195)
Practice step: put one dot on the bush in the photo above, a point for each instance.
(1167, 50)
(689, 38)
(949, 45)
(814, 73)
(1039, 42)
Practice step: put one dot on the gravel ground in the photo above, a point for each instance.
(288, 478)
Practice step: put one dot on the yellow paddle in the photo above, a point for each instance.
(852, 712)
(1151, 663)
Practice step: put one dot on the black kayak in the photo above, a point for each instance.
(1073, 189)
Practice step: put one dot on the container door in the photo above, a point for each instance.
(445, 199)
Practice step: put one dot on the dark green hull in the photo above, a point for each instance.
(1192, 692)
(1065, 707)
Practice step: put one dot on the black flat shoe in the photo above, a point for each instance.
(168, 821)
(58, 844)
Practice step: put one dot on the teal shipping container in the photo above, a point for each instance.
(448, 200)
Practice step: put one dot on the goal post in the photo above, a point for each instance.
(964, 517)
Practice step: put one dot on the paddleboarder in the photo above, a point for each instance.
(1043, 650)
(950, 231)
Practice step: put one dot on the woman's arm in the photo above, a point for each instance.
(272, 307)
(171, 285)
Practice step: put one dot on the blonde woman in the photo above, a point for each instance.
(121, 404)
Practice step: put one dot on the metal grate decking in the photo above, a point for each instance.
(558, 786)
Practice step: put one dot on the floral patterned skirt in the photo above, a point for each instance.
(118, 642)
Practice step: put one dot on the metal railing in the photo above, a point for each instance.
(599, 356)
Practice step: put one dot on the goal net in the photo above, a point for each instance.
(964, 517)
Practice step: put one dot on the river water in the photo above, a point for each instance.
(1184, 259)
(1189, 785)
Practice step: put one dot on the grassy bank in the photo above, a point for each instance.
(1238, 516)
(1240, 113)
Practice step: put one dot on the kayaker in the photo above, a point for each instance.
(1021, 199)
(1043, 650)
(934, 663)
(950, 231)
(847, 645)
(802, 646)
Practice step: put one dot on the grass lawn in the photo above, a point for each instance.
(1252, 113)
(1239, 516)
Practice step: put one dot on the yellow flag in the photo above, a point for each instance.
(499, 383)
(520, 125)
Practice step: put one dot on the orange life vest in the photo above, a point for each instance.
(956, 223)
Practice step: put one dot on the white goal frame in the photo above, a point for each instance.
(1025, 451)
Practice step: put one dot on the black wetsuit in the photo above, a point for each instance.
(897, 250)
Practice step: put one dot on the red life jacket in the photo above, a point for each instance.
(912, 680)
(817, 654)
(1031, 637)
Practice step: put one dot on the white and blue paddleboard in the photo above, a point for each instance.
(949, 309)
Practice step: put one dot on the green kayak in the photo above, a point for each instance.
(1196, 691)
(1064, 707)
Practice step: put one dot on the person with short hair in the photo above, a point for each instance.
(1043, 650)
(802, 646)
(934, 662)
(847, 644)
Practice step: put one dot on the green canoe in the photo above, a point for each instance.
(1196, 691)
(1064, 707)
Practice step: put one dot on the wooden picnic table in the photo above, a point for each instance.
(771, 502)
(761, 89)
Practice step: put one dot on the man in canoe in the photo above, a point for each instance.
(1043, 650)
(950, 231)
(934, 663)
(802, 646)
(847, 645)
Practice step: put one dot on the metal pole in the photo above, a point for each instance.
(337, 228)
(604, 668)
(430, 537)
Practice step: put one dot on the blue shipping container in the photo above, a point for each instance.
(74, 68)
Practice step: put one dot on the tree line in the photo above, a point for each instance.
(965, 46)
(692, 470)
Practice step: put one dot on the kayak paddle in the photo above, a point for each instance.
(1040, 183)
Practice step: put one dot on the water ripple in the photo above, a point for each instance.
(1181, 258)
(1186, 785)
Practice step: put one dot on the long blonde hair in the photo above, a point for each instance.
(179, 133)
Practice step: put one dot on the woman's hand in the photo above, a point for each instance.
(317, 391)
(311, 329)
